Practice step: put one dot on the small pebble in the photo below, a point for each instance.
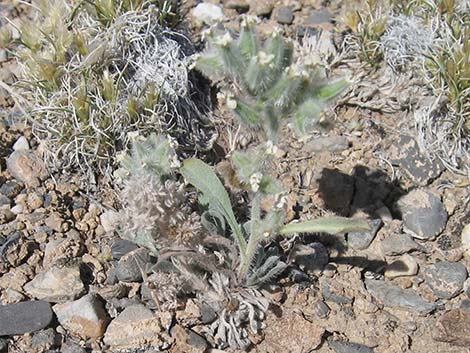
(21, 144)
(285, 15)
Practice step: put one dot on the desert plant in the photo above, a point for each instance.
(270, 86)
(94, 71)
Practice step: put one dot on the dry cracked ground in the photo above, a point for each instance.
(69, 284)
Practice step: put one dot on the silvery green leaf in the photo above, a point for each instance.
(330, 225)
(331, 89)
(306, 114)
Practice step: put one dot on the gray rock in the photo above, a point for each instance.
(208, 314)
(321, 309)
(319, 17)
(21, 144)
(311, 257)
(24, 317)
(393, 296)
(27, 167)
(362, 240)
(261, 8)
(328, 143)
(285, 15)
(121, 247)
(445, 279)
(136, 326)
(241, 6)
(11, 189)
(465, 304)
(454, 327)
(406, 154)
(398, 244)
(349, 347)
(207, 13)
(109, 220)
(424, 215)
(56, 285)
(331, 296)
(71, 347)
(84, 317)
(44, 340)
(130, 267)
(4, 201)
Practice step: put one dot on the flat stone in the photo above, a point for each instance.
(406, 154)
(84, 317)
(285, 15)
(24, 317)
(262, 8)
(454, 327)
(319, 17)
(21, 144)
(332, 291)
(136, 326)
(424, 215)
(109, 220)
(393, 296)
(71, 347)
(398, 244)
(362, 240)
(328, 143)
(56, 285)
(188, 341)
(445, 279)
(27, 167)
(241, 6)
(10, 189)
(349, 347)
(4, 201)
(207, 13)
(121, 247)
(130, 267)
(44, 340)
(321, 309)
(404, 266)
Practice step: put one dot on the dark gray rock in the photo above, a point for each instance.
(71, 347)
(330, 295)
(393, 296)
(121, 247)
(196, 341)
(208, 314)
(319, 17)
(5, 201)
(397, 244)
(362, 240)
(44, 340)
(424, 215)
(321, 309)
(311, 257)
(285, 15)
(11, 189)
(24, 317)
(445, 279)
(131, 265)
(349, 347)
(465, 304)
(406, 154)
(328, 143)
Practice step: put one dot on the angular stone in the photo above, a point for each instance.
(406, 265)
(84, 317)
(445, 279)
(328, 143)
(362, 240)
(24, 317)
(393, 296)
(136, 326)
(398, 244)
(207, 13)
(261, 8)
(121, 247)
(285, 15)
(109, 220)
(21, 144)
(131, 266)
(454, 327)
(319, 17)
(349, 347)
(56, 285)
(44, 340)
(27, 167)
(424, 215)
(241, 6)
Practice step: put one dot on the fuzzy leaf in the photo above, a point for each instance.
(210, 65)
(282, 52)
(247, 42)
(331, 89)
(247, 114)
(206, 181)
(306, 114)
(330, 225)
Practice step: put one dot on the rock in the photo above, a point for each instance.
(362, 240)
(109, 220)
(55, 222)
(131, 266)
(261, 8)
(393, 296)
(310, 258)
(44, 340)
(332, 291)
(136, 326)
(4, 201)
(188, 341)
(465, 238)
(10, 189)
(63, 249)
(290, 333)
(329, 144)
(84, 317)
(406, 154)
(17, 209)
(207, 13)
(398, 244)
(384, 214)
(240, 5)
(349, 347)
(285, 15)
(24, 317)
(21, 144)
(319, 17)
(454, 327)
(465, 304)
(424, 215)
(56, 285)
(208, 314)
(406, 265)
(445, 279)
(27, 167)
(121, 247)
(71, 347)
(6, 215)
(321, 309)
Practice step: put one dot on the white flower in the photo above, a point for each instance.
(265, 59)
(224, 40)
(271, 148)
(231, 103)
(255, 180)
(249, 20)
